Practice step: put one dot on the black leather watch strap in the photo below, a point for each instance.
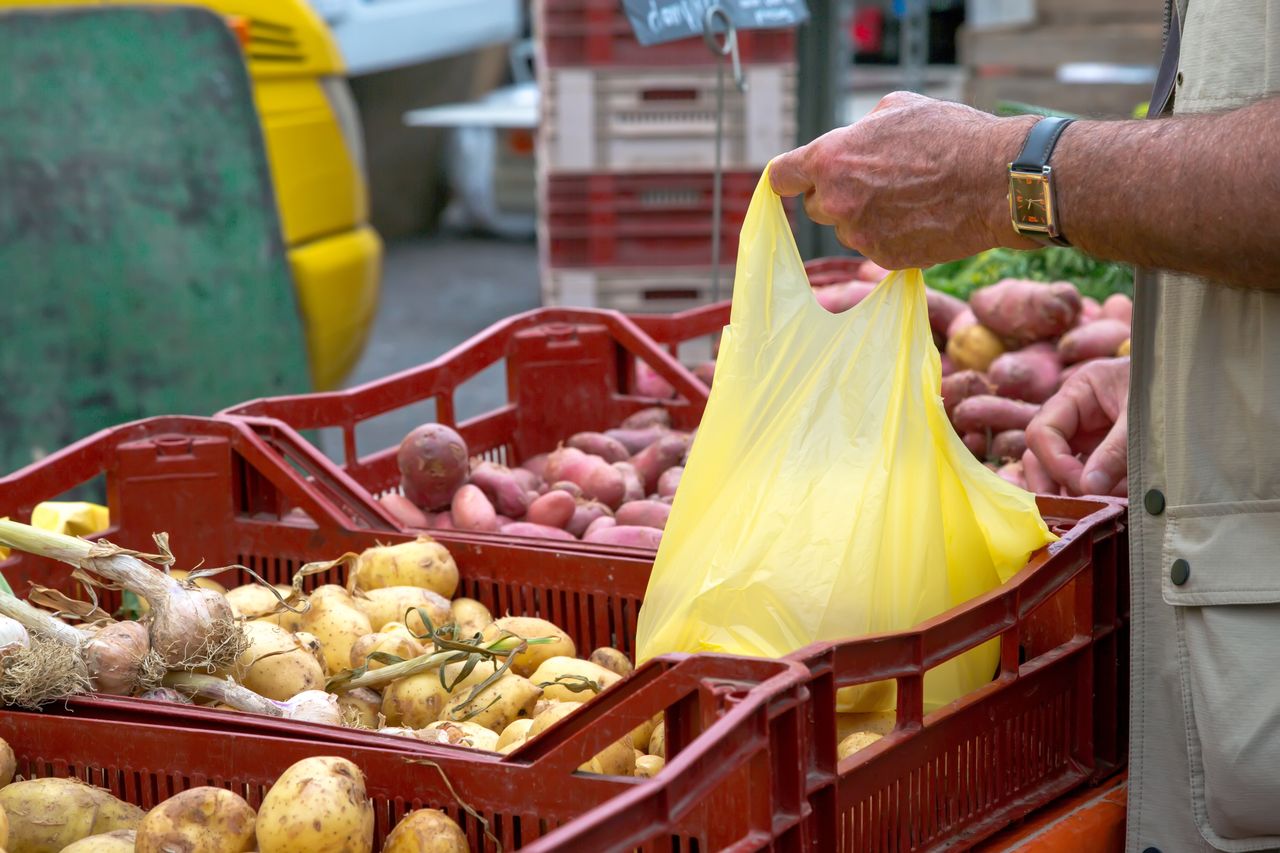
(1039, 145)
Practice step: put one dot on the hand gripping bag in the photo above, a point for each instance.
(826, 495)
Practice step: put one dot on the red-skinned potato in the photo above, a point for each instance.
(1090, 310)
(554, 509)
(1012, 472)
(528, 480)
(706, 371)
(838, 298)
(536, 464)
(1009, 445)
(433, 464)
(573, 489)
(635, 439)
(643, 514)
(1099, 339)
(584, 514)
(599, 444)
(664, 453)
(535, 531)
(948, 366)
(986, 412)
(604, 522)
(650, 384)
(654, 416)
(670, 481)
(1118, 307)
(405, 511)
(598, 479)
(630, 536)
(1032, 374)
(962, 321)
(443, 521)
(963, 385)
(943, 309)
(631, 479)
(977, 443)
(471, 510)
(1026, 311)
(501, 488)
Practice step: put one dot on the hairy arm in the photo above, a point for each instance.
(920, 181)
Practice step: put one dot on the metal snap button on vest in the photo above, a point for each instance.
(1151, 850)
(1179, 572)
(1153, 500)
(1179, 78)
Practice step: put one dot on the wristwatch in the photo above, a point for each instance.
(1031, 199)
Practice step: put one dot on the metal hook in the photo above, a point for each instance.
(717, 15)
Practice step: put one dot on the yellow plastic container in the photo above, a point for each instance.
(315, 152)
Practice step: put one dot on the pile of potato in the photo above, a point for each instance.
(393, 587)
(614, 487)
(317, 804)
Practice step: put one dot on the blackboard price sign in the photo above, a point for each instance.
(658, 21)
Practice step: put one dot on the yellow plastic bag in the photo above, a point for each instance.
(826, 495)
(74, 518)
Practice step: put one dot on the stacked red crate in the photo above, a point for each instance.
(627, 151)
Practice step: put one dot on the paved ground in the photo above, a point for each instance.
(436, 292)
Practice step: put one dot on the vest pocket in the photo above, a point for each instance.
(1221, 572)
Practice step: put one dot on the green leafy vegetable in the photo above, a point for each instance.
(1093, 277)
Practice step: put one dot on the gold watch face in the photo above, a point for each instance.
(1029, 202)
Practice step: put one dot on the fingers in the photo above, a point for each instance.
(1108, 464)
(1038, 479)
(1048, 438)
(788, 173)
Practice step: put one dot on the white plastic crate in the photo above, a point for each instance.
(636, 290)
(662, 120)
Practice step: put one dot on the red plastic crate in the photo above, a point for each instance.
(611, 219)
(735, 725)
(596, 32)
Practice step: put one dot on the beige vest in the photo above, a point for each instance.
(1205, 438)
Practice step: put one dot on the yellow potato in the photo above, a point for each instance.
(119, 841)
(483, 670)
(401, 645)
(470, 616)
(4, 829)
(495, 707)
(1124, 348)
(415, 700)
(550, 717)
(516, 733)
(529, 628)
(640, 734)
(276, 664)
(8, 763)
(974, 348)
(360, 708)
(330, 593)
(658, 741)
(310, 643)
(255, 601)
(463, 734)
(402, 603)
(424, 563)
(46, 815)
(855, 742)
(572, 673)
(648, 766)
(199, 820)
(317, 804)
(337, 626)
(880, 722)
(617, 759)
(426, 831)
(612, 660)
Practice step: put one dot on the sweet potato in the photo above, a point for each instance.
(977, 443)
(706, 371)
(1099, 339)
(974, 348)
(1012, 472)
(1026, 311)
(1030, 374)
(502, 489)
(650, 384)
(1009, 444)
(598, 479)
(1090, 310)
(631, 478)
(943, 309)
(987, 412)
(528, 480)
(637, 438)
(654, 416)
(599, 444)
(1118, 307)
(554, 509)
(643, 514)
(837, 298)
(433, 464)
(405, 511)
(574, 490)
(534, 531)
(962, 321)
(471, 510)
(670, 481)
(961, 386)
(664, 453)
(604, 522)
(629, 535)
(584, 514)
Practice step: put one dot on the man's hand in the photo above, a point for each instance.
(915, 183)
(1088, 417)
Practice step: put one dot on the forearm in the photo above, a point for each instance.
(1194, 194)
